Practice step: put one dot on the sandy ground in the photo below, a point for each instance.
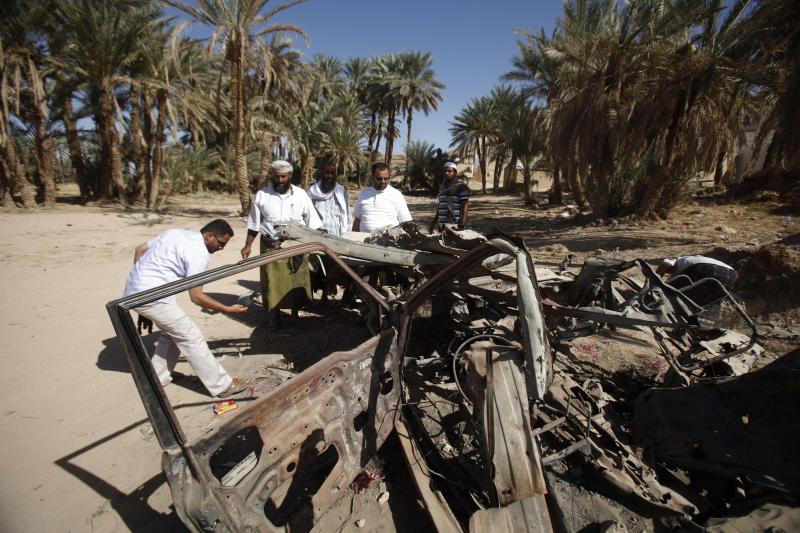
(76, 454)
(77, 451)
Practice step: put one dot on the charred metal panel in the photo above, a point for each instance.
(295, 479)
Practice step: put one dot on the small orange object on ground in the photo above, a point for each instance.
(224, 407)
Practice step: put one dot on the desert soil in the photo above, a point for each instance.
(77, 451)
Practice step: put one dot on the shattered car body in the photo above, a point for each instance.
(283, 460)
(318, 428)
(605, 294)
(470, 366)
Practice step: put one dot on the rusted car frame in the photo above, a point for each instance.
(313, 434)
(323, 425)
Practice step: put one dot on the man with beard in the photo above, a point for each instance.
(331, 202)
(284, 284)
(453, 200)
(380, 205)
(333, 206)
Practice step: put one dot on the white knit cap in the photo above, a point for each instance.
(450, 164)
(281, 167)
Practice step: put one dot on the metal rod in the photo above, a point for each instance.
(490, 408)
(582, 446)
(550, 425)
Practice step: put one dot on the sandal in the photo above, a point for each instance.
(237, 385)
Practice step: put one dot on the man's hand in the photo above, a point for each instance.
(245, 252)
(236, 308)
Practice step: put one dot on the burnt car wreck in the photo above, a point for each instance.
(471, 360)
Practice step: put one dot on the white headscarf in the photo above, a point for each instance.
(333, 207)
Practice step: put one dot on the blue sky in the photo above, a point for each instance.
(472, 41)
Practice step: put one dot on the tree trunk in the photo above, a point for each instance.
(371, 137)
(406, 177)
(147, 151)
(555, 197)
(18, 180)
(263, 171)
(482, 162)
(112, 165)
(138, 147)
(239, 157)
(158, 149)
(374, 153)
(526, 181)
(5, 183)
(600, 198)
(577, 188)
(377, 145)
(164, 196)
(39, 113)
(390, 137)
(498, 171)
(74, 143)
(15, 171)
(306, 170)
(45, 160)
(772, 157)
(510, 178)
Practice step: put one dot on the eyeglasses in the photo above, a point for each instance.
(220, 244)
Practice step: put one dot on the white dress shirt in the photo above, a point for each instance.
(379, 209)
(270, 207)
(172, 255)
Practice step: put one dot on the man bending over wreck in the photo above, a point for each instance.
(174, 255)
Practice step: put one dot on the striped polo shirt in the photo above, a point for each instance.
(456, 195)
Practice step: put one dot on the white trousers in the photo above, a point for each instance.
(180, 335)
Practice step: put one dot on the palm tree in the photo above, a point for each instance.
(19, 24)
(66, 87)
(362, 84)
(645, 97)
(537, 70)
(418, 88)
(703, 102)
(771, 33)
(384, 93)
(328, 76)
(471, 130)
(104, 39)
(422, 164)
(283, 76)
(356, 70)
(307, 129)
(12, 167)
(344, 146)
(505, 100)
(240, 23)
